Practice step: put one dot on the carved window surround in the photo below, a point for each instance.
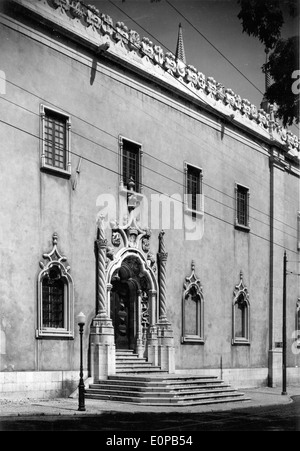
(66, 173)
(199, 212)
(193, 292)
(241, 300)
(56, 262)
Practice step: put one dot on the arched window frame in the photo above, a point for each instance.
(193, 283)
(241, 291)
(56, 260)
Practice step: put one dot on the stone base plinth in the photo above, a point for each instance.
(102, 349)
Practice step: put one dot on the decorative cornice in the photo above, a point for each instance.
(97, 30)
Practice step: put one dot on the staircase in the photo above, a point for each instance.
(137, 381)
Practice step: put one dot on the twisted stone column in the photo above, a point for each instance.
(163, 257)
(102, 339)
(101, 268)
(166, 350)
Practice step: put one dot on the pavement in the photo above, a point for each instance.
(260, 397)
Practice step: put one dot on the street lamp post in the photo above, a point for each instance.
(81, 323)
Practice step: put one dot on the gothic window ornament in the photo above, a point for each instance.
(55, 296)
(192, 310)
(241, 314)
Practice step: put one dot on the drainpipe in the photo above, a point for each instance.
(271, 273)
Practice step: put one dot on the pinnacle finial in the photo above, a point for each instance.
(180, 52)
(55, 239)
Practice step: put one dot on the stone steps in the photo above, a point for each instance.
(137, 381)
(127, 362)
(164, 391)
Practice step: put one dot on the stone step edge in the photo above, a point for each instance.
(169, 394)
(154, 387)
(172, 401)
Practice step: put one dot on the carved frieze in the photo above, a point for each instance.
(170, 63)
(201, 81)
(229, 98)
(62, 5)
(121, 33)
(76, 10)
(107, 25)
(180, 69)
(191, 75)
(220, 93)
(246, 107)
(158, 55)
(134, 42)
(103, 25)
(211, 87)
(93, 20)
(147, 48)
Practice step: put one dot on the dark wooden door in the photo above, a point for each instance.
(122, 314)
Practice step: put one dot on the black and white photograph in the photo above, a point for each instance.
(149, 218)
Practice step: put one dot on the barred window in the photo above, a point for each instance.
(131, 164)
(193, 187)
(55, 141)
(242, 206)
(53, 299)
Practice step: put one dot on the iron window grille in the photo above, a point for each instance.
(55, 141)
(131, 164)
(194, 179)
(242, 207)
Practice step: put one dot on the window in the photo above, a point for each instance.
(242, 207)
(298, 322)
(298, 231)
(193, 190)
(55, 297)
(55, 142)
(241, 315)
(131, 164)
(193, 310)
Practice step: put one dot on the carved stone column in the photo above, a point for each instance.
(166, 350)
(163, 257)
(102, 337)
(152, 340)
(139, 338)
(101, 244)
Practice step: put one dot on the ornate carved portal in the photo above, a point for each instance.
(131, 308)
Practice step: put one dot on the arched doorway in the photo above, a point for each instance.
(131, 303)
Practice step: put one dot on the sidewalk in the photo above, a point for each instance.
(261, 397)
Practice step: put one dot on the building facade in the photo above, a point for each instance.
(144, 194)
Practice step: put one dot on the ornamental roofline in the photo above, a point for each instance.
(84, 23)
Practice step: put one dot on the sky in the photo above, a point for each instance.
(217, 20)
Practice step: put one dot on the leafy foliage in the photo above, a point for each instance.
(264, 19)
(281, 65)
